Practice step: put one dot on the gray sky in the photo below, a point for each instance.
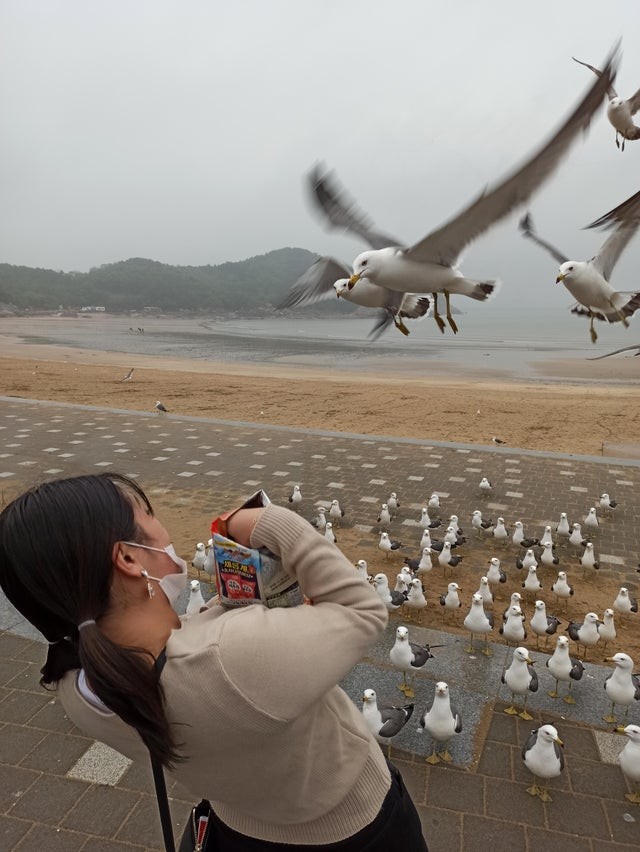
(181, 131)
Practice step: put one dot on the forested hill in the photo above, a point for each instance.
(256, 283)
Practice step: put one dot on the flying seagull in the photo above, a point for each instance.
(588, 281)
(619, 111)
(635, 346)
(128, 377)
(328, 277)
(430, 265)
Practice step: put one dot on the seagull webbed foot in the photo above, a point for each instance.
(526, 716)
(511, 711)
(568, 699)
(433, 759)
(445, 756)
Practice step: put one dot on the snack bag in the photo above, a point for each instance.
(245, 575)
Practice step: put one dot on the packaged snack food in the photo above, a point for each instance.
(245, 575)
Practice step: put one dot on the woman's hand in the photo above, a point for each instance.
(240, 525)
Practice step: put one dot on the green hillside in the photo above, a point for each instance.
(255, 284)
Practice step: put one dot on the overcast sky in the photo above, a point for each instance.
(182, 131)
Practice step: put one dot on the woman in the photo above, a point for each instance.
(246, 711)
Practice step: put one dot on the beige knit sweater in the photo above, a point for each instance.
(281, 752)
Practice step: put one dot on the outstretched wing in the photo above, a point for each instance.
(613, 247)
(445, 245)
(342, 212)
(634, 102)
(382, 323)
(617, 352)
(611, 92)
(316, 283)
(526, 228)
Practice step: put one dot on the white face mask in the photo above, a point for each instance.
(171, 584)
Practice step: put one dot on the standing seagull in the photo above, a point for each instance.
(607, 629)
(619, 112)
(629, 760)
(199, 557)
(477, 621)
(588, 558)
(388, 545)
(624, 604)
(622, 686)
(543, 757)
(329, 533)
(485, 487)
(431, 265)
(543, 624)
(393, 504)
(561, 588)
(588, 281)
(450, 601)
(295, 498)
(391, 599)
(384, 720)
(335, 512)
(585, 633)
(441, 721)
(160, 408)
(564, 668)
(196, 601)
(591, 520)
(416, 601)
(320, 521)
(513, 628)
(521, 679)
(384, 518)
(409, 657)
(606, 503)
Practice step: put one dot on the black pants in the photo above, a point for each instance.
(396, 829)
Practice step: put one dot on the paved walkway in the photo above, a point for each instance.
(61, 791)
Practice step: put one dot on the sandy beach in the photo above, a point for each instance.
(596, 408)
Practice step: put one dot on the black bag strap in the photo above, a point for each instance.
(161, 784)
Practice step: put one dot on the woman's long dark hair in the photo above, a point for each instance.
(56, 545)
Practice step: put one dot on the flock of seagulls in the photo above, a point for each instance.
(405, 281)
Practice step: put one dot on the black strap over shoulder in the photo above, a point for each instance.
(160, 782)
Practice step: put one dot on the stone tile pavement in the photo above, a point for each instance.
(60, 790)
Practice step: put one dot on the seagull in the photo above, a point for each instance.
(564, 668)
(196, 601)
(629, 760)
(160, 407)
(520, 538)
(384, 720)
(478, 523)
(513, 628)
(588, 558)
(543, 757)
(588, 281)
(391, 599)
(416, 600)
(433, 503)
(363, 570)
(388, 545)
(484, 590)
(453, 522)
(543, 624)
(563, 530)
(320, 521)
(446, 557)
(532, 583)
(606, 503)
(576, 538)
(453, 537)
(635, 346)
(441, 721)
(495, 574)
(384, 518)
(431, 265)
(424, 565)
(485, 487)
(516, 600)
(329, 533)
(409, 657)
(622, 686)
(591, 520)
(561, 588)
(209, 566)
(607, 628)
(585, 633)
(295, 498)
(547, 556)
(477, 621)
(624, 604)
(619, 112)
(128, 377)
(425, 540)
(335, 512)
(426, 522)
(325, 278)
(527, 561)
(498, 441)
(546, 536)
(521, 679)
(500, 531)
(450, 600)
(199, 557)
(393, 504)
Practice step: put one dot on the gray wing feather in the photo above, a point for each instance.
(611, 92)
(445, 245)
(342, 212)
(617, 352)
(384, 320)
(634, 102)
(531, 741)
(559, 755)
(316, 283)
(526, 227)
(533, 683)
(627, 211)
(613, 247)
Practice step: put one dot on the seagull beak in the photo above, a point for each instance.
(559, 279)
(337, 294)
(530, 661)
(559, 741)
(353, 281)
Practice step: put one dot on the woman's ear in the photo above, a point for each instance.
(125, 561)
